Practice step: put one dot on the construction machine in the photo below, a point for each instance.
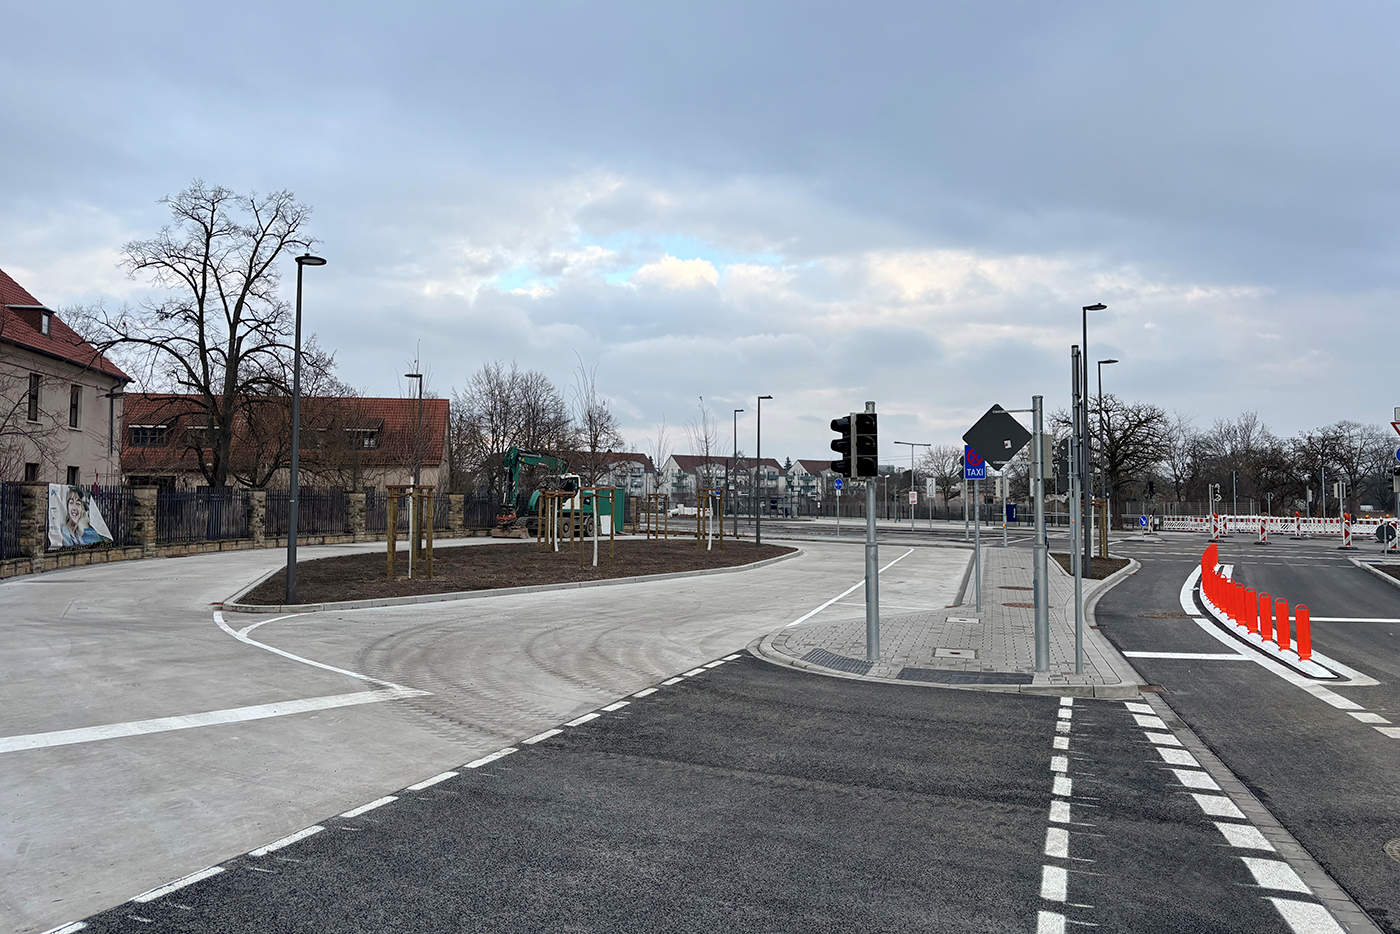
(521, 511)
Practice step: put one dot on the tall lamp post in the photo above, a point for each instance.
(304, 260)
(757, 469)
(1086, 477)
(735, 483)
(912, 446)
(1103, 439)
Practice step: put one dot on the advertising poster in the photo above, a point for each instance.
(74, 518)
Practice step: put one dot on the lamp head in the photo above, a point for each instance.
(306, 259)
(413, 375)
(1098, 306)
(765, 397)
(1102, 362)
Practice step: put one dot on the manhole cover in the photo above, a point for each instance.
(1026, 606)
(1392, 849)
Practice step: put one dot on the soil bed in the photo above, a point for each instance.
(1392, 569)
(488, 567)
(1098, 568)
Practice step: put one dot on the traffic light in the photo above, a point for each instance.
(1062, 464)
(865, 445)
(1151, 488)
(842, 445)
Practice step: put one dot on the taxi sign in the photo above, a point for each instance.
(974, 467)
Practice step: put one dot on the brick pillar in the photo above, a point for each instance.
(457, 512)
(356, 509)
(34, 523)
(257, 517)
(143, 517)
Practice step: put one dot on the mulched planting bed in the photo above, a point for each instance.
(1392, 569)
(1098, 568)
(488, 567)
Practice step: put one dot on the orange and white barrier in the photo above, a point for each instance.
(1346, 530)
(1263, 532)
(1259, 618)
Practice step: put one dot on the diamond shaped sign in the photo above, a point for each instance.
(997, 436)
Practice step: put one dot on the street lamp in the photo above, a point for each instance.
(305, 259)
(758, 466)
(1086, 505)
(912, 446)
(1103, 434)
(735, 483)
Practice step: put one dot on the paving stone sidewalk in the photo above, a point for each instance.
(960, 647)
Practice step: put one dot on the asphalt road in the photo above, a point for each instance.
(1331, 779)
(754, 798)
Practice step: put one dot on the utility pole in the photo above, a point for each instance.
(1040, 551)
(872, 565)
(1076, 485)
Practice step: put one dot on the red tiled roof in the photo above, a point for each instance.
(688, 462)
(814, 466)
(21, 326)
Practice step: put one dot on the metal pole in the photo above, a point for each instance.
(977, 540)
(1040, 561)
(735, 489)
(1005, 489)
(757, 470)
(293, 478)
(912, 494)
(1077, 521)
(872, 577)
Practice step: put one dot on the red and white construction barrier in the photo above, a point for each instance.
(1296, 526)
(1346, 530)
(1263, 532)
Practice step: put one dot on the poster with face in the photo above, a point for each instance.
(74, 518)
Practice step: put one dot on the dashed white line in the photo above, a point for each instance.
(1067, 702)
(1392, 731)
(541, 737)
(1054, 883)
(692, 672)
(286, 841)
(1274, 874)
(1307, 917)
(1218, 806)
(1139, 707)
(430, 782)
(1163, 739)
(1065, 713)
(1057, 843)
(1050, 922)
(730, 658)
(580, 721)
(1244, 836)
(1366, 717)
(1177, 756)
(616, 706)
(1059, 763)
(71, 928)
(1061, 742)
(645, 692)
(1063, 787)
(1194, 779)
(1149, 722)
(387, 799)
(178, 884)
(1059, 812)
(670, 681)
(714, 664)
(502, 753)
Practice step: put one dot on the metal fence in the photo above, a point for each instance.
(10, 504)
(201, 515)
(319, 512)
(442, 512)
(377, 512)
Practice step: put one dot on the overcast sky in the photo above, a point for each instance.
(829, 203)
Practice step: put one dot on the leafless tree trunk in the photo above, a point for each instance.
(595, 425)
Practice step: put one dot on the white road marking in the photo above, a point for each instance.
(1062, 726)
(219, 619)
(1059, 812)
(580, 721)
(1057, 842)
(1307, 917)
(1274, 874)
(617, 706)
(1065, 713)
(1049, 922)
(71, 928)
(1194, 779)
(646, 692)
(191, 721)
(1392, 731)
(1193, 656)
(692, 672)
(247, 629)
(714, 664)
(845, 593)
(730, 658)
(670, 681)
(1061, 742)
(1354, 619)
(1149, 722)
(1244, 836)
(286, 841)
(1054, 883)
(541, 737)
(430, 782)
(1177, 756)
(178, 884)
(1059, 763)
(1163, 739)
(1218, 806)
(1365, 717)
(387, 799)
(498, 754)
(1139, 707)
(1067, 702)
(1062, 787)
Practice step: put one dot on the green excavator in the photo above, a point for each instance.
(519, 511)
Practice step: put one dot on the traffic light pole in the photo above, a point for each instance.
(1040, 551)
(1076, 487)
(872, 578)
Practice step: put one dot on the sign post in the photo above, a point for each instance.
(839, 484)
(872, 564)
(1040, 551)
(974, 469)
(995, 439)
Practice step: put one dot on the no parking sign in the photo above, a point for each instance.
(974, 467)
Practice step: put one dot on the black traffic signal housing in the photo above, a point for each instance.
(865, 445)
(1062, 464)
(1151, 488)
(842, 445)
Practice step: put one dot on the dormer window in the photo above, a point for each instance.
(46, 322)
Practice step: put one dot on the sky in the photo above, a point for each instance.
(827, 203)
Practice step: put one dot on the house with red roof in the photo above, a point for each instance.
(60, 398)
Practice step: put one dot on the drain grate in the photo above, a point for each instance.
(855, 666)
(1024, 606)
(936, 676)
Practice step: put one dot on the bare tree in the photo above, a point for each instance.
(944, 463)
(222, 332)
(501, 408)
(702, 437)
(595, 426)
(658, 444)
(1179, 461)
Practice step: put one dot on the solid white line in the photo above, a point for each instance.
(286, 841)
(646, 692)
(430, 782)
(1057, 843)
(219, 619)
(498, 754)
(70, 928)
(849, 590)
(1354, 619)
(366, 808)
(1054, 883)
(1366, 717)
(580, 721)
(1275, 874)
(1177, 756)
(1244, 836)
(617, 706)
(1218, 806)
(1059, 812)
(1049, 922)
(191, 721)
(247, 629)
(178, 884)
(1193, 656)
(1307, 917)
(541, 737)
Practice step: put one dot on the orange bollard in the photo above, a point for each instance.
(1281, 637)
(1304, 631)
(1251, 609)
(1237, 603)
(1266, 616)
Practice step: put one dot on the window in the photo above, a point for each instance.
(72, 476)
(75, 398)
(34, 381)
(364, 438)
(150, 436)
(31, 473)
(46, 323)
